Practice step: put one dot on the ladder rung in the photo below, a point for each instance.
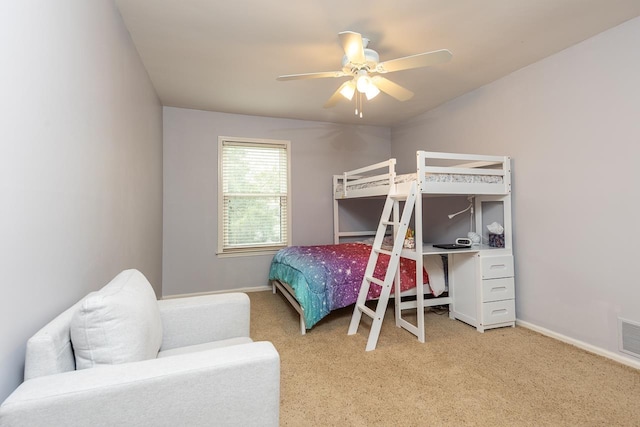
(399, 196)
(390, 223)
(366, 310)
(408, 326)
(382, 251)
(376, 281)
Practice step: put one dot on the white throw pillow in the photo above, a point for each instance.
(118, 324)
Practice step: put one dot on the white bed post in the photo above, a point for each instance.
(417, 224)
(336, 225)
(336, 217)
(507, 205)
(397, 287)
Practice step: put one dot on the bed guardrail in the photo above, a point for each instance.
(363, 176)
(438, 173)
(430, 164)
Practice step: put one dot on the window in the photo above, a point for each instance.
(253, 195)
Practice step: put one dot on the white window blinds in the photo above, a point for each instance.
(254, 195)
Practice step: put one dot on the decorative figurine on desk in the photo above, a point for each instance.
(410, 239)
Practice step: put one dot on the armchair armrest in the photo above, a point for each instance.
(200, 319)
(236, 385)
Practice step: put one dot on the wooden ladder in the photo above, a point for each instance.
(400, 225)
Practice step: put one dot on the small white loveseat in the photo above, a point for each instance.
(118, 357)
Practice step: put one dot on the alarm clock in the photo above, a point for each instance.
(463, 241)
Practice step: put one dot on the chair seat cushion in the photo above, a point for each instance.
(118, 324)
(205, 346)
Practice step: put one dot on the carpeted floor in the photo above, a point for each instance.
(459, 377)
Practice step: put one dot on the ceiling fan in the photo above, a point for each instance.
(364, 66)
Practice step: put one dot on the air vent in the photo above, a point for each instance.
(629, 333)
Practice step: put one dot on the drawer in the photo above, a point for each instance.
(498, 312)
(497, 289)
(495, 267)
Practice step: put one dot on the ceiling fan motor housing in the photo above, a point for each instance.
(371, 61)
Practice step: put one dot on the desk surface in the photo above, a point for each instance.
(428, 249)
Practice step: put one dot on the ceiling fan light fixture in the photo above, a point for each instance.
(348, 90)
(372, 91)
(363, 81)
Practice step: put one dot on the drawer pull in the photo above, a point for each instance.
(495, 267)
(497, 312)
(497, 289)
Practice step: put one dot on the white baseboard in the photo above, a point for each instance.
(580, 344)
(197, 294)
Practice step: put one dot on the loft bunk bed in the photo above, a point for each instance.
(486, 179)
(437, 173)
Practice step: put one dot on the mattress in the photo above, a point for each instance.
(438, 177)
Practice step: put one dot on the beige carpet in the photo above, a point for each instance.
(504, 377)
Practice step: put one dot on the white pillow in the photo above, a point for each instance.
(118, 324)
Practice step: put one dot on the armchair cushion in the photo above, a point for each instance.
(118, 324)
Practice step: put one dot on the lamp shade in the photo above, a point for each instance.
(348, 90)
(372, 91)
(363, 83)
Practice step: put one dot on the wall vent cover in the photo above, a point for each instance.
(629, 333)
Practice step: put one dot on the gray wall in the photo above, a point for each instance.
(318, 150)
(80, 164)
(572, 125)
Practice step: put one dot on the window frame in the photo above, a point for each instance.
(251, 250)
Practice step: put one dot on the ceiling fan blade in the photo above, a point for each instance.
(353, 46)
(337, 96)
(320, 75)
(415, 61)
(391, 88)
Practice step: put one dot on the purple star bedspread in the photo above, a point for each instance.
(328, 277)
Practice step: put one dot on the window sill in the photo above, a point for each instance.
(245, 253)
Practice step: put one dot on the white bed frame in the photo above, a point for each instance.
(381, 179)
(429, 164)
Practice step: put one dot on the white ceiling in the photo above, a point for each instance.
(225, 55)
